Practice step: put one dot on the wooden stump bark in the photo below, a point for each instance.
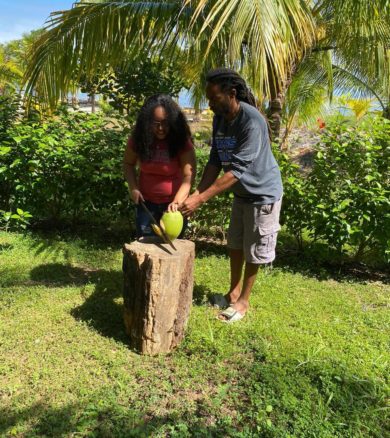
(158, 286)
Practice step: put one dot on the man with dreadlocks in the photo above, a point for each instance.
(241, 146)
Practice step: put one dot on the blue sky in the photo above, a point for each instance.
(21, 16)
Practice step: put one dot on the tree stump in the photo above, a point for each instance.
(158, 285)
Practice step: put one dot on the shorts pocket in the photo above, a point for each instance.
(267, 219)
(264, 251)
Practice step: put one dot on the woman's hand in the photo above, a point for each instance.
(173, 206)
(136, 196)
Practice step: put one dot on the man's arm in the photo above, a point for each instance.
(210, 174)
(209, 187)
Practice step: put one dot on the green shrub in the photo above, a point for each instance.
(9, 106)
(15, 221)
(348, 191)
(69, 167)
(294, 214)
(212, 218)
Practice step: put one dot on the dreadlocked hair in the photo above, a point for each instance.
(228, 79)
(178, 134)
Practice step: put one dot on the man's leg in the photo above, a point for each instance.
(236, 263)
(242, 303)
(236, 252)
(261, 224)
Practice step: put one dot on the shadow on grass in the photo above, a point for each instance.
(201, 294)
(100, 309)
(205, 248)
(96, 418)
(315, 399)
(89, 237)
(5, 247)
(317, 262)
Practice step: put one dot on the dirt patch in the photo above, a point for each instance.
(302, 146)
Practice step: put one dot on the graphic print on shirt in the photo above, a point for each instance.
(225, 147)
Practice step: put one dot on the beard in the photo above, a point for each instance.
(221, 110)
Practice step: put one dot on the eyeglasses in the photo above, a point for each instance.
(164, 124)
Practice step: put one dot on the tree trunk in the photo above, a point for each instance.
(158, 285)
(275, 115)
(93, 103)
(75, 101)
(278, 90)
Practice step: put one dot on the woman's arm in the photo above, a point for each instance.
(129, 164)
(188, 168)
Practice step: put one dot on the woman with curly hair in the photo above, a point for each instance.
(161, 146)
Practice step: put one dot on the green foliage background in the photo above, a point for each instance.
(66, 168)
(345, 199)
(69, 168)
(126, 88)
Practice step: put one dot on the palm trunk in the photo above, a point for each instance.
(275, 115)
(278, 91)
(75, 101)
(93, 103)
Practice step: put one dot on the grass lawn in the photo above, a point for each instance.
(310, 359)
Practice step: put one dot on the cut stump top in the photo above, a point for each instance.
(155, 247)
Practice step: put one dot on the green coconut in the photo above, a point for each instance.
(172, 223)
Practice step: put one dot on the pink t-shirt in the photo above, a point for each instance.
(160, 176)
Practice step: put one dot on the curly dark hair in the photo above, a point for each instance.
(179, 131)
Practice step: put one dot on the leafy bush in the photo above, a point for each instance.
(9, 106)
(69, 167)
(127, 87)
(345, 199)
(212, 218)
(348, 190)
(19, 220)
(294, 213)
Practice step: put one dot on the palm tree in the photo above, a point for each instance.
(267, 40)
(306, 98)
(14, 60)
(10, 73)
(210, 33)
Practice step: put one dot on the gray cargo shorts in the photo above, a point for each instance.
(254, 229)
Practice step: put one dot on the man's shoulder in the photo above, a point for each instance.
(251, 117)
(250, 112)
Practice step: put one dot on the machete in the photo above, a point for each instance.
(161, 231)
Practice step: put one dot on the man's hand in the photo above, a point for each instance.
(192, 203)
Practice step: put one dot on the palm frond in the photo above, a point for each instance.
(94, 34)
